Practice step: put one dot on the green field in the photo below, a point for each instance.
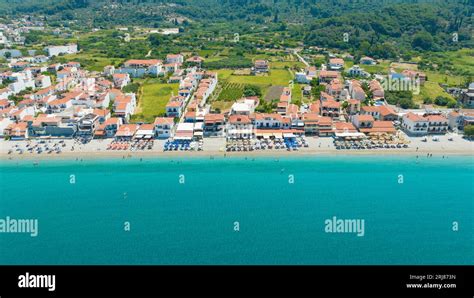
(233, 85)
(90, 62)
(380, 68)
(451, 80)
(283, 64)
(297, 93)
(223, 74)
(231, 92)
(207, 53)
(430, 90)
(279, 77)
(461, 60)
(152, 99)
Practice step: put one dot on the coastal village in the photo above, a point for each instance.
(49, 107)
(89, 107)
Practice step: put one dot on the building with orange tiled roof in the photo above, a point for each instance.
(457, 120)
(415, 75)
(310, 121)
(214, 125)
(175, 107)
(164, 127)
(121, 80)
(377, 90)
(343, 127)
(356, 91)
(126, 131)
(363, 121)
(379, 127)
(353, 106)
(326, 76)
(383, 113)
(240, 127)
(17, 131)
(109, 128)
(174, 58)
(195, 60)
(414, 124)
(330, 108)
(336, 64)
(437, 124)
(261, 66)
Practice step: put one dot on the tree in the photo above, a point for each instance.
(469, 131)
(423, 40)
(155, 39)
(131, 88)
(427, 100)
(405, 103)
(364, 47)
(441, 101)
(252, 90)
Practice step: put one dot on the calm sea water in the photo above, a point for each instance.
(280, 223)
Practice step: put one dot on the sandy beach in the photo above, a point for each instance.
(215, 147)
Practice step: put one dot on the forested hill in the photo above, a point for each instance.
(379, 27)
(220, 10)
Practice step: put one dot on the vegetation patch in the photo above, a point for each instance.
(231, 92)
(153, 99)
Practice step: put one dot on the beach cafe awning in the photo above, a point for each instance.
(265, 135)
(182, 138)
(277, 135)
(350, 134)
(183, 135)
(144, 134)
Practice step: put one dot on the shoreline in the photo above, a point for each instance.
(221, 154)
(214, 147)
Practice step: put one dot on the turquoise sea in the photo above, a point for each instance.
(280, 222)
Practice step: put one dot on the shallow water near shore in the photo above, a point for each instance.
(185, 211)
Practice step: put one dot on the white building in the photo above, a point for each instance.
(42, 81)
(22, 81)
(240, 127)
(138, 68)
(164, 127)
(336, 64)
(57, 50)
(109, 70)
(174, 58)
(4, 123)
(415, 124)
(121, 80)
(356, 71)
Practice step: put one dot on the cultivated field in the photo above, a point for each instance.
(153, 97)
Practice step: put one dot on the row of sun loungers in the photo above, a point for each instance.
(183, 145)
(251, 145)
(367, 145)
